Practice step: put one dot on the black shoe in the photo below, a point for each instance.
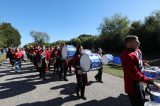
(96, 78)
(101, 81)
(83, 97)
(65, 79)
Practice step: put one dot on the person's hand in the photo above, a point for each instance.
(146, 64)
(151, 82)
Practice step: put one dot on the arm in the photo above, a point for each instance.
(133, 71)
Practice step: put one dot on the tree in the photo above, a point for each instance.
(59, 42)
(40, 37)
(148, 32)
(114, 25)
(113, 30)
(10, 37)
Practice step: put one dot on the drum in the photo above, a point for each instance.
(68, 51)
(151, 103)
(108, 58)
(155, 96)
(90, 62)
(117, 60)
(87, 51)
(152, 72)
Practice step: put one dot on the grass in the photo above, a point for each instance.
(117, 70)
(2, 57)
(113, 70)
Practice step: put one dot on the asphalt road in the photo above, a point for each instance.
(26, 89)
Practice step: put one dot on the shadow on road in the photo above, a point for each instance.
(22, 83)
(53, 102)
(68, 88)
(121, 100)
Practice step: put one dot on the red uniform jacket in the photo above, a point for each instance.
(46, 58)
(132, 74)
(18, 55)
(76, 62)
(48, 55)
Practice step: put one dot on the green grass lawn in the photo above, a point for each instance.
(117, 70)
(113, 70)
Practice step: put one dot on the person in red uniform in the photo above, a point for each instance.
(17, 56)
(48, 51)
(64, 65)
(132, 74)
(80, 75)
(10, 56)
(56, 56)
(42, 58)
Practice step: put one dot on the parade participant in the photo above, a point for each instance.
(34, 56)
(48, 50)
(64, 65)
(80, 75)
(18, 57)
(98, 77)
(52, 57)
(24, 54)
(142, 63)
(27, 50)
(132, 75)
(56, 56)
(10, 56)
(70, 66)
(42, 59)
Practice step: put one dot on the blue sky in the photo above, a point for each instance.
(66, 19)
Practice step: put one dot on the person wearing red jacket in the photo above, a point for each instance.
(80, 75)
(17, 56)
(64, 65)
(42, 58)
(48, 51)
(132, 74)
(56, 55)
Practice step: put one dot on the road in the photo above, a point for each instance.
(26, 89)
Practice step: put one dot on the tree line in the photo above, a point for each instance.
(9, 36)
(113, 29)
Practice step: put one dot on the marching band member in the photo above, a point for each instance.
(56, 55)
(132, 74)
(98, 77)
(42, 58)
(64, 66)
(80, 75)
(70, 66)
(48, 51)
(10, 56)
(17, 56)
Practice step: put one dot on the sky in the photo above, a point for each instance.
(67, 19)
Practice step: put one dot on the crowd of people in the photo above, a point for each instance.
(44, 57)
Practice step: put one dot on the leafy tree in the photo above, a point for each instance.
(113, 30)
(40, 37)
(10, 37)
